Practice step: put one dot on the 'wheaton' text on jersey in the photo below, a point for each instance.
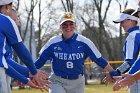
(66, 56)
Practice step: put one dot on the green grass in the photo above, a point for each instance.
(97, 88)
(91, 88)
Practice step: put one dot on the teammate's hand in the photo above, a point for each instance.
(40, 79)
(42, 75)
(127, 80)
(31, 84)
(117, 85)
(107, 78)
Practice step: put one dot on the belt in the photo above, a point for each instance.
(72, 77)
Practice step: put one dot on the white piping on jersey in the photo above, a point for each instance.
(79, 38)
(130, 44)
(3, 58)
(90, 44)
(52, 71)
(53, 40)
(16, 29)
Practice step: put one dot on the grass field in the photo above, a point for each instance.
(91, 88)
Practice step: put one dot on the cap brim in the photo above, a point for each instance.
(67, 20)
(8, 2)
(123, 17)
(118, 20)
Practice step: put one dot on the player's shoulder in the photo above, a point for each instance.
(4, 18)
(55, 39)
(133, 34)
(6, 21)
(51, 41)
(83, 39)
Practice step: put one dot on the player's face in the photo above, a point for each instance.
(14, 16)
(68, 28)
(7, 9)
(126, 24)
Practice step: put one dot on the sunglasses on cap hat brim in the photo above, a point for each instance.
(124, 16)
(5, 2)
(67, 20)
(136, 11)
(68, 16)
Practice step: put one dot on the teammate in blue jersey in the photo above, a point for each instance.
(9, 34)
(134, 73)
(22, 71)
(67, 53)
(128, 20)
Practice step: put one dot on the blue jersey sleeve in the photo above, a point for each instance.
(131, 47)
(44, 56)
(101, 62)
(16, 75)
(25, 56)
(10, 30)
(135, 67)
(131, 50)
(94, 54)
(21, 69)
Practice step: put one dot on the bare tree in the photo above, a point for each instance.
(29, 11)
(103, 38)
(31, 27)
(68, 6)
(100, 36)
(45, 24)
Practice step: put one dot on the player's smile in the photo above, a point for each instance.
(68, 28)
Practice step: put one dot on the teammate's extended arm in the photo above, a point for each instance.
(25, 56)
(95, 55)
(14, 39)
(130, 50)
(16, 75)
(44, 56)
(20, 68)
(135, 67)
(122, 69)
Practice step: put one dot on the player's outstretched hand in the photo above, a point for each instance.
(107, 78)
(126, 81)
(43, 75)
(117, 85)
(41, 80)
(31, 84)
